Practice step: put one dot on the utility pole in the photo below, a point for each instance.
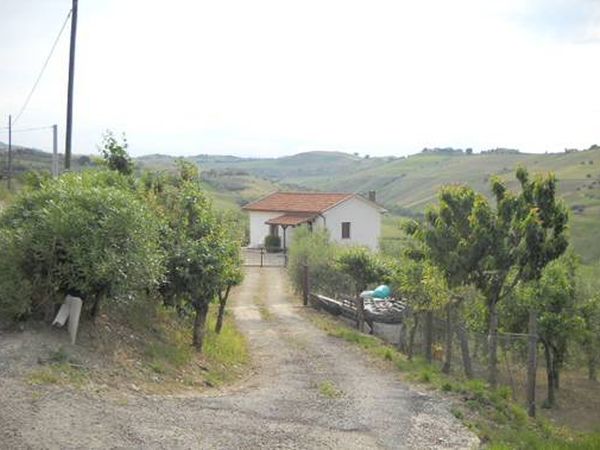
(55, 151)
(9, 151)
(68, 139)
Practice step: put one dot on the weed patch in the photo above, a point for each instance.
(328, 389)
(60, 374)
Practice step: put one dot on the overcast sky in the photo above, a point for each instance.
(269, 78)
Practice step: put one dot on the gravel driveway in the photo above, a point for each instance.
(309, 391)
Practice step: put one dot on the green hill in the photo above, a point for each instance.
(405, 185)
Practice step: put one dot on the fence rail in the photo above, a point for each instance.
(259, 257)
(469, 352)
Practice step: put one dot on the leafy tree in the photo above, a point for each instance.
(447, 236)
(524, 233)
(201, 256)
(231, 275)
(87, 234)
(315, 250)
(115, 153)
(187, 171)
(555, 297)
(363, 267)
(588, 309)
(423, 286)
(497, 248)
(557, 321)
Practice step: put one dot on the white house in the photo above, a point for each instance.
(350, 218)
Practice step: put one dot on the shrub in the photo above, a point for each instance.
(86, 234)
(272, 243)
(202, 254)
(364, 267)
(315, 249)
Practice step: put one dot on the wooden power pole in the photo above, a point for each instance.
(69, 132)
(9, 165)
(54, 151)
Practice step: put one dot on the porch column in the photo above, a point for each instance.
(284, 229)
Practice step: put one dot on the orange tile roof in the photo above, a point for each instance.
(309, 202)
(291, 219)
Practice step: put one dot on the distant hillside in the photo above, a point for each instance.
(25, 158)
(405, 185)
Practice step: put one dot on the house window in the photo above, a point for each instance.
(274, 231)
(345, 230)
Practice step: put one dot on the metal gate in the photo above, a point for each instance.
(259, 257)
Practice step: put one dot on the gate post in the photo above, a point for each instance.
(532, 363)
(360, 314)
(305, 284)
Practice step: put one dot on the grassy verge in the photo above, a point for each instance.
(146, 349)
(499, 422)
(169, 354)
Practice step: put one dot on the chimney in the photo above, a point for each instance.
(373, 196)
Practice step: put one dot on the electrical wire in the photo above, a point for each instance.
(23, 130)
(43, 68)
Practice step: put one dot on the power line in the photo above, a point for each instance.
(23, 130)
(43, 68)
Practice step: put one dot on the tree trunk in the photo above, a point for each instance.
(95, 307)
(493, 348)
(428, 330)
(411, 339)
(464, 348)
(200, 326)
(447, 367)
(592, 365)
(556, 365)
(305, 284)
(49, 311)
(549, 374)
(221, 313)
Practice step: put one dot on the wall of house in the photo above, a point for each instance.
(365, 223)
(258, 228)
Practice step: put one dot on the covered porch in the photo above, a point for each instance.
(288, 220)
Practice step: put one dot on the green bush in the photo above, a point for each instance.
(86, 234)
(316, 250)
(364, 267)
(272, 243)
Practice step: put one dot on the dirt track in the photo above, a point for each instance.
(310, 391)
